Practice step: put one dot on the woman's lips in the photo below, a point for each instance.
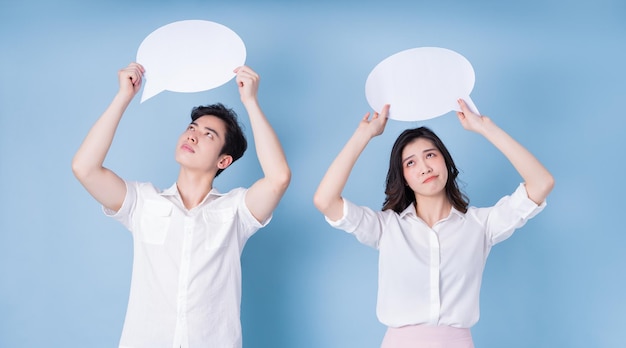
(429, 179)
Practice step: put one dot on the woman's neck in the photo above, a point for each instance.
(432, 209)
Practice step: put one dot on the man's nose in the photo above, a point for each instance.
(192, 137)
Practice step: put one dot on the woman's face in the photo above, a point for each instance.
(424, 168)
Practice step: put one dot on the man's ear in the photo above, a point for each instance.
(225, 161)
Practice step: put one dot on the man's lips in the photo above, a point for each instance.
(187, 148)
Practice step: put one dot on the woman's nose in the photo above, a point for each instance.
(426, 170)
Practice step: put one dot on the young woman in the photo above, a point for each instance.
(432, 245)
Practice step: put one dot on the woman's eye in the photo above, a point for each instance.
(210, 135)
(410, 163)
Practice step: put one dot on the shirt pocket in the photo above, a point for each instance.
(155, 221)
(219, 223)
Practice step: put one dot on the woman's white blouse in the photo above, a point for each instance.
(432, 275)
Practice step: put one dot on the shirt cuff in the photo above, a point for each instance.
(112, 213)
(525, 205)
(350, 219)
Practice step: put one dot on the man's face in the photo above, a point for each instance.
(200, 145)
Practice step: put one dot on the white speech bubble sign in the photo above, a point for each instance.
(420, 83)
(189, 56)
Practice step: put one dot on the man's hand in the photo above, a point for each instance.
(248, 83)
(130, 78)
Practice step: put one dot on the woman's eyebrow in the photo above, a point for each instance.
(406, 158)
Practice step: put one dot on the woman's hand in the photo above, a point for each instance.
(376, 125)
(470, 120)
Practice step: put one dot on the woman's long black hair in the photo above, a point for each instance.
(398, 194)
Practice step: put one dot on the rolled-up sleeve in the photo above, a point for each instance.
(364, 223)
(124, 214)
(510, 213)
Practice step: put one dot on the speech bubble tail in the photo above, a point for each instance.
(471, 105)
(149, 92)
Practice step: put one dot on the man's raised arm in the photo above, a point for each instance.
(103, 184)
(265, 194)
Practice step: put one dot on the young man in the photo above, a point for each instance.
(186, 282)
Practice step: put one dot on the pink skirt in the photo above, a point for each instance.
(423, 336)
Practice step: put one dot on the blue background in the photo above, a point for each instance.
(550, 72)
